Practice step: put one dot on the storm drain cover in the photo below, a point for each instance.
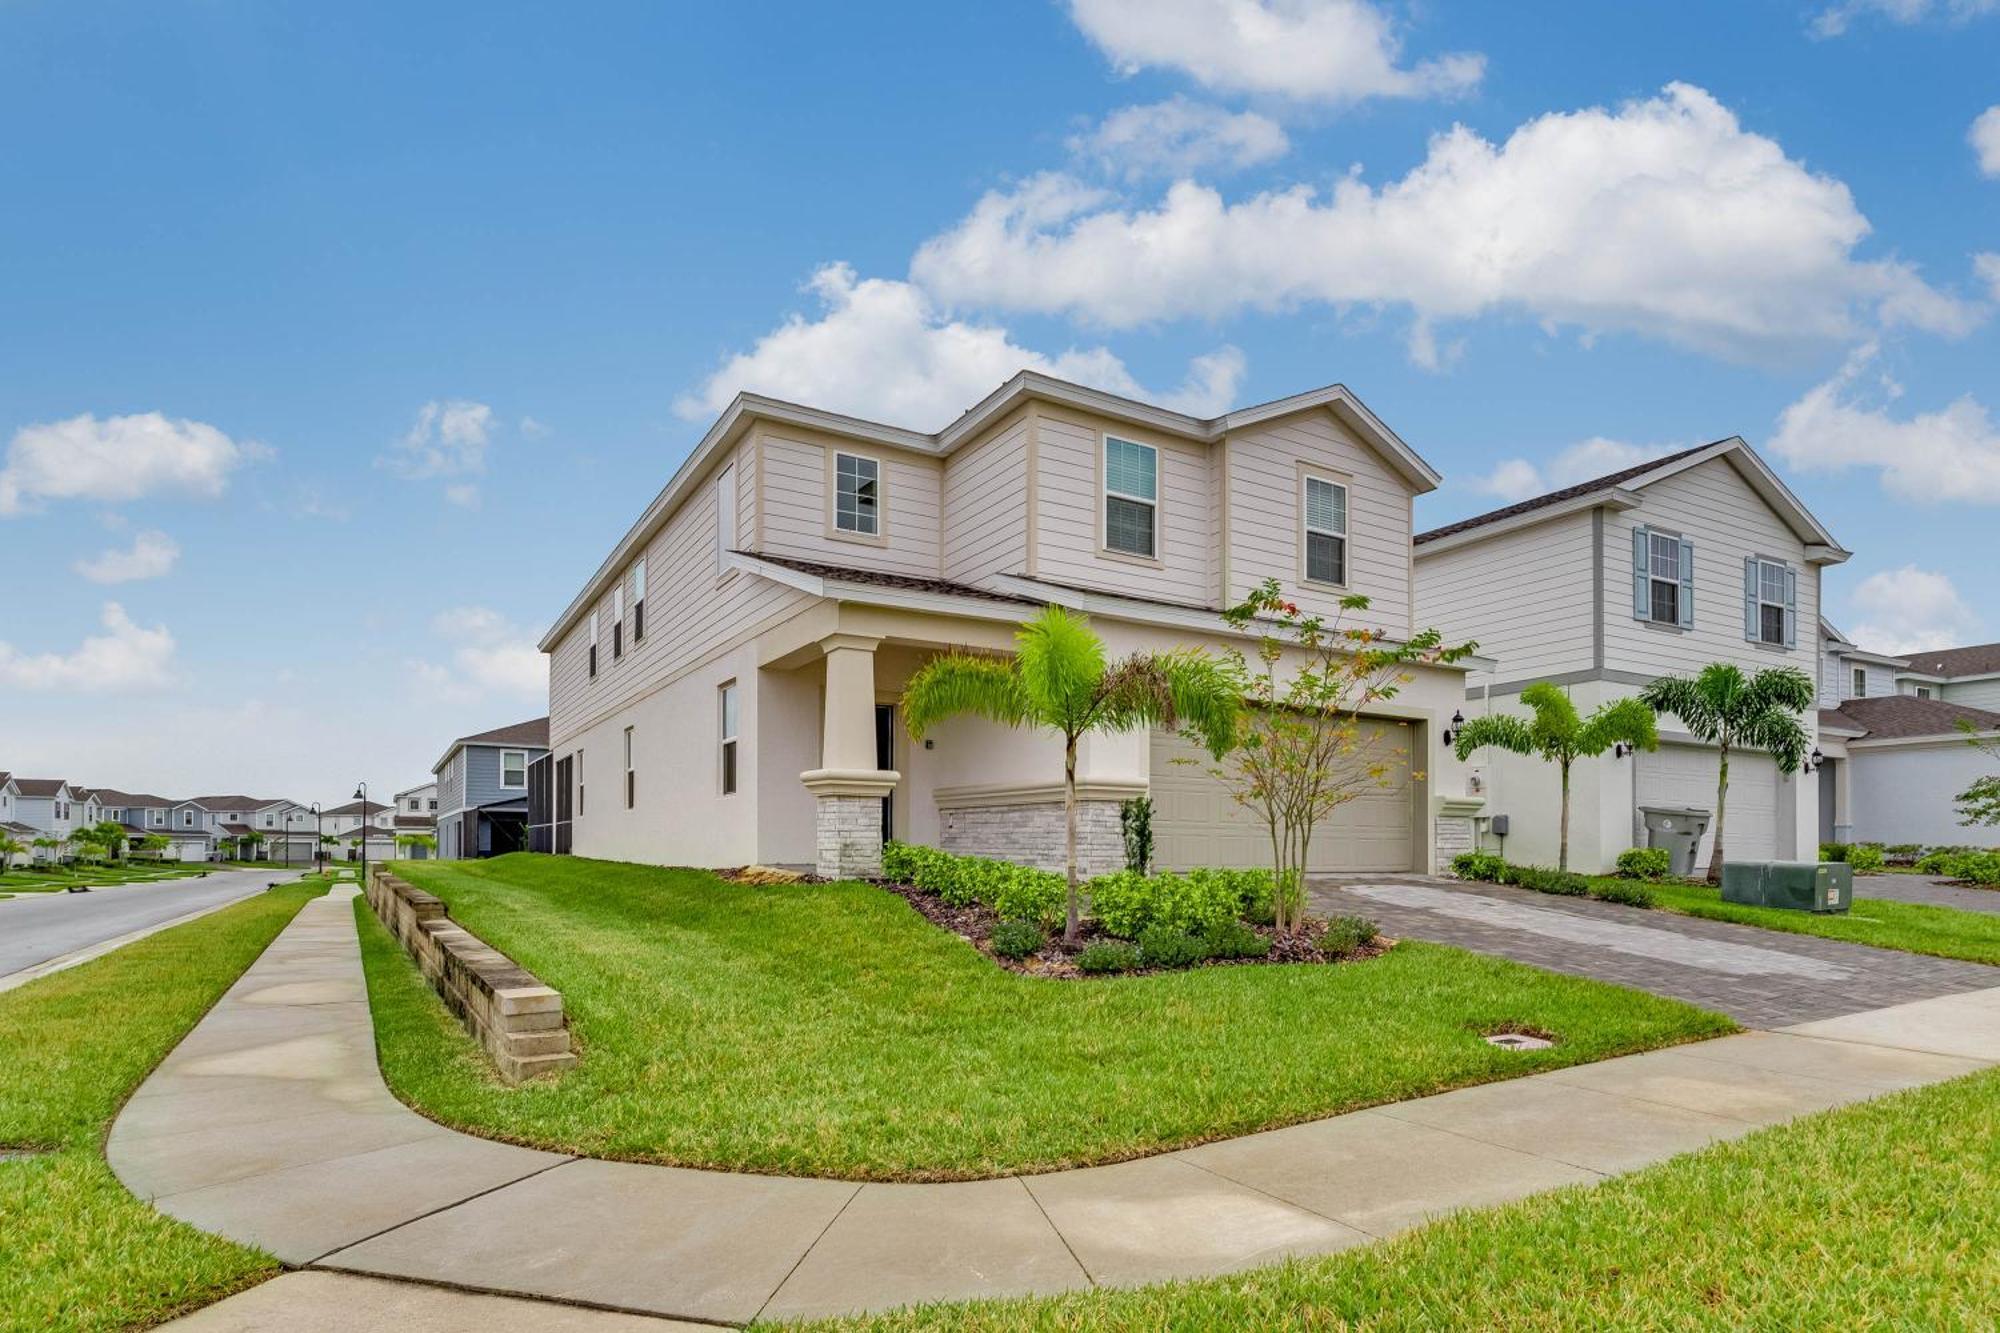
(1518, 1041)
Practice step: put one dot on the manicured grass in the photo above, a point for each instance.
(82, 1253)
(1879, 1216)
(829, 1030)
(1944, 932)
(53, 880)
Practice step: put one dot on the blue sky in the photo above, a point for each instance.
(341, 342)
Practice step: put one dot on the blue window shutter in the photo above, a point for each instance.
(1791, 607)
(1750, 627)
(1687, 584)
(1642, 596)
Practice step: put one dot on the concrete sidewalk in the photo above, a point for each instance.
(270, 1124)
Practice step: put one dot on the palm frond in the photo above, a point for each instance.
(1686, 698)
(1784, 688)
(959, 683)
(1778, 731)
(1628, 720)
(1499, 731)
(1556, 723)
(1061, 665)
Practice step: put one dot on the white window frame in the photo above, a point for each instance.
(1859, 682)
(1307, 531)
(835, 526)
(631, 774)
(505, 785)
(1765, 565)
(1923, 691)
(728, 753)
(1677, 580)
(1106, 494)
(639, 599)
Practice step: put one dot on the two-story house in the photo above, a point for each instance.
(482, 790)
(1702, 556)
(12, 826)
(1894, 732)
(48, 806)
(416, 816)
(724, 689)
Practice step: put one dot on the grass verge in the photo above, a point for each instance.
(1942, 932)
(829, 1030)
(1873, 1216)
(82, 1253)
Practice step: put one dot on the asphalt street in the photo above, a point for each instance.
(35, 927)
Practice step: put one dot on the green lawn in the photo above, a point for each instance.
(1878, 1216)
(82, 1253)
(49, 881)
(1944, 932)
(829, 1030)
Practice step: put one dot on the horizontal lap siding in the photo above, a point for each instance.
(1265, 527)
(986, 506)
(1525, 597)
(796, 499)
(689, 616)
(1069, 493)
(1973, 694)
(1715, 507)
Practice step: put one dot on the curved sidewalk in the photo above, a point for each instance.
(270, 1124)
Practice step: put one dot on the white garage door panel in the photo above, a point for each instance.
(1686, 775)
(1196, 823)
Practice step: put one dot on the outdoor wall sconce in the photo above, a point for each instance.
(1619, 749)
(1457, 721)
(1814, 760)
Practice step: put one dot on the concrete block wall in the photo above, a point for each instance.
(519, 1021)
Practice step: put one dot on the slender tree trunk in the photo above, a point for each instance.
(1072, 928)
(1562, 839)
(1277, 880)
(1721, 809)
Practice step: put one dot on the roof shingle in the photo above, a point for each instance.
(1603, 483)
(1899, 716)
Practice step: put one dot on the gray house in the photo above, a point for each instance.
(482, 790)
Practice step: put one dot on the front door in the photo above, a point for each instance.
(885, 757)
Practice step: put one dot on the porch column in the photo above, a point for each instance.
(848, 785)
(1843, 808)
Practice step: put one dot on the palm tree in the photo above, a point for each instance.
(1059, 679)
(1559, 736)
(10, 847)
(1733, 711)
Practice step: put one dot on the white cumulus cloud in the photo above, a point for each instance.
(1663, 217)
(1984, 136)
(1952, 453)
(150, 556)
(448, 439)
(1837, 18)
(1987, 265)
(879, 349)
(1178, 137)
(119, 459)
(489, 655)
(1332, 51)
(126, 658)
(1519, 479)
(1909, 610)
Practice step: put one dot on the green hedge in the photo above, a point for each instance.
(1564, 883)
(1015, 893)
(1127, 904)
(1978, 867)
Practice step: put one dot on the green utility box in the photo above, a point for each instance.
(1801, 886)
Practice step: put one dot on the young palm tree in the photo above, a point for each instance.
(10, 847)
(1733, 711)
(1059, 679)
(1559, 736)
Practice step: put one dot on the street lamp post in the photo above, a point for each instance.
(319, 840)
(361, 795)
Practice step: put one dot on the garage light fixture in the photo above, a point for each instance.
(1619, 749)
(1814, 760)
(1451, 732)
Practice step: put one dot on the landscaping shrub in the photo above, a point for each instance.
(1125, 904)
(1233, 939)
(1135, 823)
(1902, 853)
(1865, 858)
(1617, 891)
(1645, 863)
(1541, 879)
(1976, 867)
(1017, 939)
(1015, 893)
(1164, 946)
(1486, 866)
(1348, 934)
(1107, 956)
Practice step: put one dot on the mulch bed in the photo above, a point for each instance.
(974, 924)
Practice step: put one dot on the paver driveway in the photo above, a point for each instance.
(1928, 890)
(1761, 978)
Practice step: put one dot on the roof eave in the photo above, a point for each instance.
(1616, 498)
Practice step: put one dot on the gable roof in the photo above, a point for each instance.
(748, 408)
(1901, 716)
(1981, 659)
(533, 733)
(1755, 471)
(40, 786)
(359, 808)
(111, 796)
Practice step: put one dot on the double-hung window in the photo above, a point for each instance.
(1662, 578)
(639, 599)
(514, 770)
(1860, 683)
(857, 495)
(728, 738)
(1326, 531)
(631, 778)
(618, 622)
(1770, 602)
(1131, 497)
(1923, 691)
(1665, 592)
(593, 645)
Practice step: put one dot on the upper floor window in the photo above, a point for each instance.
(187, 819)
(514, 769)
(433, 803)
(1662, 578)
(1131, 497)
(416, 804)
(618, 622)
(857, 494)
(1860, 683)
(639, 599)
(1770, 596)
(593, 644)
(1923, 691)
(728, 738)
(1326, 531)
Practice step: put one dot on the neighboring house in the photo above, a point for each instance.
(192, 832)
(356, 822)
(416, 814)
(49, 807)
(482, 790)
(725, 688)
(1702, 556)
(1893, 730)
(11, 824)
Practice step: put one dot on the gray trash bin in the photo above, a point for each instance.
(1678, 828)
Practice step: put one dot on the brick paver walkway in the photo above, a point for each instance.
(1761, 978)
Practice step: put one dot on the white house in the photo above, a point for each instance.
(1703, 556)
(416, 815)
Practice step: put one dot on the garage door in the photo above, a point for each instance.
(1195, 823)
(1686, 775)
